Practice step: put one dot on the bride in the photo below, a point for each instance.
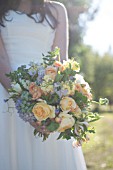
(29, 28)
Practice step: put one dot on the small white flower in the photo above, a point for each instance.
(79, 79)
(16, 87)
(25, 83)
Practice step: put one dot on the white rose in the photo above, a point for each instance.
(67, 121)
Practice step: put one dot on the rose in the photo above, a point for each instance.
(51, 71)
(78, 87)
(67, 103)
(59, 65)
(84, 89)
(76, 111)
(42, 111)
(67, 121)
(35, 91)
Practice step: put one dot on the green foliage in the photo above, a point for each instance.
(18, 75)
(103, 77)
(65, 135)
(97, 71)
(51, 57)
(98, 150)
(44, 136)
(53, 126)
(85, 56)
(80, 99)
(52, 99)
(92, 117)
(103, 101)
(64, 76)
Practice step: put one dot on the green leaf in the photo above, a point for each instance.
(52, 126)
(50, 59)
(60, 136)
(59, 77)
(104, 101)
(35, 132)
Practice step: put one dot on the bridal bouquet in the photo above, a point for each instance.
(55, 96)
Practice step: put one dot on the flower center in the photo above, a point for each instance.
(40, 111)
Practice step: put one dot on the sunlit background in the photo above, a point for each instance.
(99, 32)
(91, 43)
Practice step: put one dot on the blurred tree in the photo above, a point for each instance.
(103, 77)
(97, 71)
(86, 58)
(77, 24)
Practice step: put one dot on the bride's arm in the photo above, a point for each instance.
(61, 35)
(4, 65)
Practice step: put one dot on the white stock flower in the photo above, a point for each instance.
(16, 87)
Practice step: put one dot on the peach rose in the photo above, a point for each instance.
(77, 111)
(51, 71)
(78, 87)
(84, 90)
(59, 65)
(67, 121)
(42, 111)
(67, 103)
(35, 91)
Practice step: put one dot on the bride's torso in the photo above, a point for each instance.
(25, 39)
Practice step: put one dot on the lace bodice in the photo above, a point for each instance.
(24, 39)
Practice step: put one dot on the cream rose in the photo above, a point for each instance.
(42, 111)
(51, 71)
(67, 121)
(67, 103)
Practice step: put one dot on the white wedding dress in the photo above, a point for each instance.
(25, 41)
